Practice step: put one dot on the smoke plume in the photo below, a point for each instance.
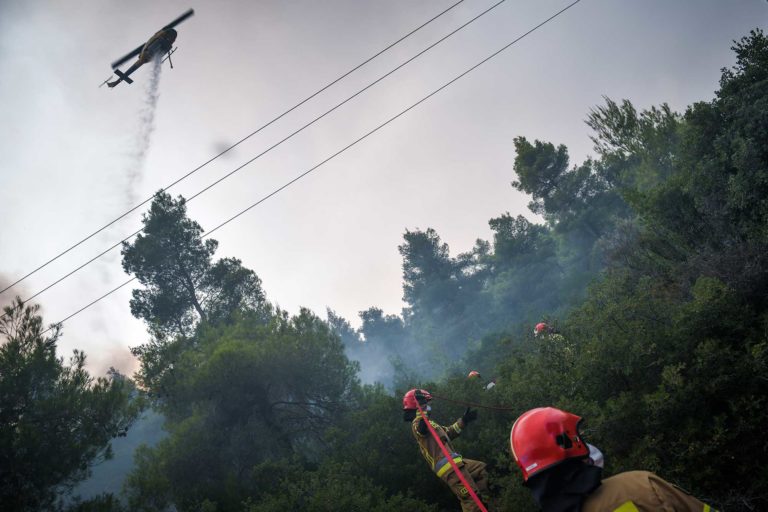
(145, 129)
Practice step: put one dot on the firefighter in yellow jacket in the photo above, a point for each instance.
(564, 473)
(472, 470)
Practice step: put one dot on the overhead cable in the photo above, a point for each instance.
(291, 135)
(382, 125)
(190, 173)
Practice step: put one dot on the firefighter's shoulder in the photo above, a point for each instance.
(641, 491)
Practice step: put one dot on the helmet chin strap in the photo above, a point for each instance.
(450, 460)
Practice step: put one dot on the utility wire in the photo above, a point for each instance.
(382, 125)
(358, 93)
(369, 59)
(318, 118)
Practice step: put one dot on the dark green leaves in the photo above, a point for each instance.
(55, 419)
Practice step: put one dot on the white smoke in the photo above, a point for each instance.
(7, 297)
(145, 129)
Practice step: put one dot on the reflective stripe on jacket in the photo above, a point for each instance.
(443, 466)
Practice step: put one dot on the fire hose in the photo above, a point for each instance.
(451, 461)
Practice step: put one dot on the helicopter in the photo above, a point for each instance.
(159, 44)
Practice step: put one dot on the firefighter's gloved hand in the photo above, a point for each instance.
(469, 415)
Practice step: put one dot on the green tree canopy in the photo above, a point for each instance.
(55, 419)
(244, 393)
(665, 355)
(182, 284)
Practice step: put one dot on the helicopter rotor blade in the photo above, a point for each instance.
(127, 56)
(180, 19)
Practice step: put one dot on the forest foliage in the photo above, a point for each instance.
(56, 421)
(651, 263)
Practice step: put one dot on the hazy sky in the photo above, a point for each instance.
(68, 149)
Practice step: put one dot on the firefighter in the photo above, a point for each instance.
(541, 328)
(473, 471)
(564, 473)
(546, 331)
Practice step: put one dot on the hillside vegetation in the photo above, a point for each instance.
(651, 262)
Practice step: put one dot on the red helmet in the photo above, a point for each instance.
(540, 328)
(544, 437)
(414, 397)
(473, 375)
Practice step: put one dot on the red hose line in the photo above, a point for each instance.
(450, 460)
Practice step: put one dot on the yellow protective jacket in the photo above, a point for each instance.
(641, 491)
(430, 449)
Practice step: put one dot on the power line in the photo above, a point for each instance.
(291, 135)
(369, 59)
(371, 132)
(358, 93)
